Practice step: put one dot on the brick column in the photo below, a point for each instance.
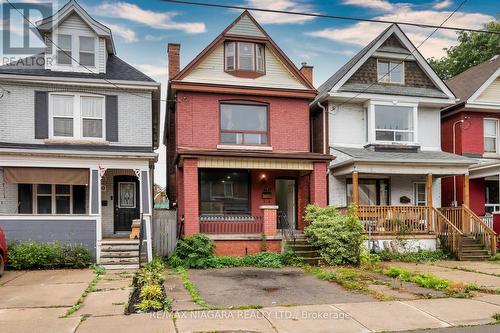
(190, 192)
(269, 220)
(318, 184)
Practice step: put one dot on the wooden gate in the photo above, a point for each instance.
(164, 231)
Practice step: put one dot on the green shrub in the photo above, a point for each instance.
(496, 257)
(263, 259)
(424, 280)
(151, 273)
(338, 237)
(193, 251)
(419, 256)
(368, 259)
(34, 255)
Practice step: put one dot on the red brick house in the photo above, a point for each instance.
(471, 128)
(239, 160)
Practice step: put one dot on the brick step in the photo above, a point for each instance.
(119, 261)
(120, 254)
(306, 254)
(105, 248)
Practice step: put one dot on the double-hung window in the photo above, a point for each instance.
(87, 51)
(64, 51)
(490, 129)
(420, 194)
(394, 123)
(390, 71)
(77, 116)
(243, 124)
(245, 57)
(81, 49)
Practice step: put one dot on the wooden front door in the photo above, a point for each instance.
(126, 203)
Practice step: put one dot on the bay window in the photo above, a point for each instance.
(244, 56)
(224, 192)
(390, 71)
(243, 124)
(490, 130)
(51, 199)
(77, 116)
(394, 123)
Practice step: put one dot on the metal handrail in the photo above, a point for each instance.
(287, 230)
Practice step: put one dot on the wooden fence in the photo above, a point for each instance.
(164, 231)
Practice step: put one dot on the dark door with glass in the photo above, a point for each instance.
(285, 199)
(126, 203)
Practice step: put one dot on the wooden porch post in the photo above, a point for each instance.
(355, 189)
(428, 188)
(466, 203)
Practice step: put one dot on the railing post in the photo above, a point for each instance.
(355, 191)
(429, 200)
(269, 220)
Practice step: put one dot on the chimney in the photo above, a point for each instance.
(174, 64)
(307, 71)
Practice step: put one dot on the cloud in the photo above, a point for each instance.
(156, 20)
(374, 4)
(443, 4)
(127, 34)
(276, 18)
(152, 38)
(157, 72)
(363, 32)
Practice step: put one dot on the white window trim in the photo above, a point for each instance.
(415, 194)
(75, 52)
(233, 54)
(53, 197)
(371, 122)
(402, 65)
(77, 118)
(253, 57)
(87, 52)
(497, 135)
(61, 49)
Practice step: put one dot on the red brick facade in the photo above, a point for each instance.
(244, 247)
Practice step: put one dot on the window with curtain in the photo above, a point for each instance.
(64, 51)
(490, 127)
(63, 115)
(87, 51)
(492, 195)
(77, 116)
(244, 56)
(224, 192)
(243, 124)
(230, 56)
(51, 199)
(394, 123)
(420, 194)
(390, 71)
(371, 191)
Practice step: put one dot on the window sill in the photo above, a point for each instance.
(245, 74)
(241, 147)
(491, 155)
(76, 142)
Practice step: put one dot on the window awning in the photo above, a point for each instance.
(46, 176)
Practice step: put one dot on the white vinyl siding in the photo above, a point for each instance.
(491, 94)
(211, 70)
(245, 27)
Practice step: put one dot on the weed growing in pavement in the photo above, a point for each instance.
(98, 272)
(190, 287)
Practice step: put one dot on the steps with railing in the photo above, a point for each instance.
(303, 249)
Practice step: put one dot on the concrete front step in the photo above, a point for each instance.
(122, 261)
(312, 261)
(120, 266)
(120, 254)
(306, 254)
(132, 247)
(300, 247)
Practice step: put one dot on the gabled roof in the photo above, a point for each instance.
(233, 32)
(48, 24)
(336, 81)
(467, 83)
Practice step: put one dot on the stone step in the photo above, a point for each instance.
(133, 247)
(119, 261)
(120, 254)
(306, 254)
(301, 247)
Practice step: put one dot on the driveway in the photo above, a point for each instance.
(268, 287)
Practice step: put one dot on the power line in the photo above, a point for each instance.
(337, 17)
(409, 55)
(79, 63)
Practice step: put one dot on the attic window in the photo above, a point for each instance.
(244, 57)
(87, 51)
(390, 71)
(64, 52)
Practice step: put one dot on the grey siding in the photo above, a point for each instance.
(112, 118)
(41, 115)
(145, 192)
(65, 231)
(94, 181)
(135, 110)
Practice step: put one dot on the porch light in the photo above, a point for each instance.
(263, 176)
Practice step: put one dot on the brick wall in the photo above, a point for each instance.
(190, 193)
(198, 120)
(243, 247)
(319, 184)
(477, 195)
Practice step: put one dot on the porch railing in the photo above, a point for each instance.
(230, 224)
(488, 219)
(394, 220)
(449, 235)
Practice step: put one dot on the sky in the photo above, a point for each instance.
(142, 30)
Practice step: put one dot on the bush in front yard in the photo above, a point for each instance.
(193, 251)
(33, 255)
(338, 237)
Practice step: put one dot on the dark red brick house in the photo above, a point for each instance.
(471, 128)
(239, 158)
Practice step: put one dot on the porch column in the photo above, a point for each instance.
(95, 207)
(269, 220)
(428, 185)
(355, 189)
(466, 222)
(191, 197)
(318, 184)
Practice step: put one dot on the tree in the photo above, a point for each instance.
(473, 49)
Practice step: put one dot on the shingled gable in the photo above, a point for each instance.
(258, 34)
(392, 43)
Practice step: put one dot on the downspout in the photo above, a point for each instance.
(324, 126)
(461, 121)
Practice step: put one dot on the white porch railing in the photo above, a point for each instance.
(488, 219)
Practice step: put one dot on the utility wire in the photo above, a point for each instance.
(337, 17)
(402, 61)
(85, 67)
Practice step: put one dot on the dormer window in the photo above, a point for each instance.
(244, 57)
(87, 51)
(64, 52)
(390, 71)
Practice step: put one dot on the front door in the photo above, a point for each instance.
(285, 199)
(126, 203)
